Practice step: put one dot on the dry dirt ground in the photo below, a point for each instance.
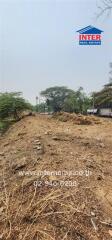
(73, 201)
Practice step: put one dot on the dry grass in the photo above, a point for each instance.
(54, 213)
(44, 214)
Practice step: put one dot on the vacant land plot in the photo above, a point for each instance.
(56, 179)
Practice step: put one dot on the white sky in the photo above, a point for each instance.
(39, 46)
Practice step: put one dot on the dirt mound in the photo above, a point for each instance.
(77, 118)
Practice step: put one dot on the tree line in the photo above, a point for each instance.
(64, 99)
(57, 98)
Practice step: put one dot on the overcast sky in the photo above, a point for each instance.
(39, 46)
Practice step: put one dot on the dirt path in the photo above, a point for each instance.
(74, 202)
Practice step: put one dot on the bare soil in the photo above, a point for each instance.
(71, 202)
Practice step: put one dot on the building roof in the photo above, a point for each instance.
(90, 30)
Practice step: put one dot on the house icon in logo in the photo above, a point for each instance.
(90, 36)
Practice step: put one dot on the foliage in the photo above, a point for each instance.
(40, 107)
(104, 97)
(12, 104)
(64, 99)
(78, 102)
(56, 97)
(4, 126)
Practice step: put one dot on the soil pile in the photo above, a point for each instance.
(77, 118)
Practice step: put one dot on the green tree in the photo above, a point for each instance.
(12, 104)
(103, 98)
(78, 102)
(56, 97)
(40, 107)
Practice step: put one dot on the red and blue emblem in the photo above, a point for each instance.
(90, 36)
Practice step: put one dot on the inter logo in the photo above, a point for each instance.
(90, 36)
